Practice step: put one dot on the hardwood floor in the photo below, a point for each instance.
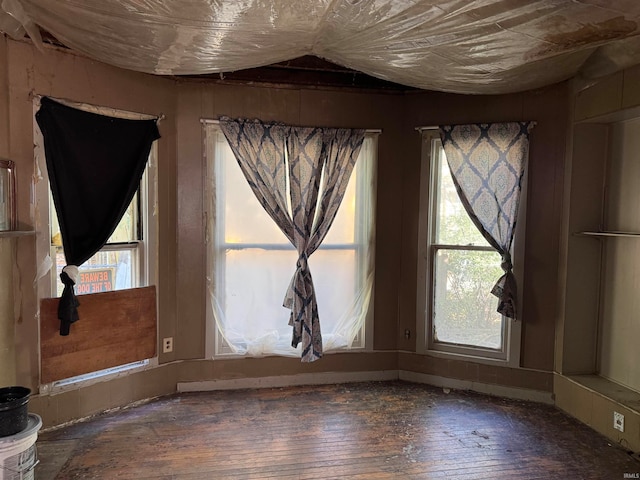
(388, 430)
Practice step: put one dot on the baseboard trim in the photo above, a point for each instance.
(487, 388)
(323, 378)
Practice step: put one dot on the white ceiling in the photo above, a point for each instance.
(482, 46)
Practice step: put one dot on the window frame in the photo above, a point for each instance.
(137, 247)
(427, 250)
(216, 346)
(146, 247)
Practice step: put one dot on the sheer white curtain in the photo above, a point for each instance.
(250, 261)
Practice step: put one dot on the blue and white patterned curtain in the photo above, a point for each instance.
(315, 164)
(487, 163)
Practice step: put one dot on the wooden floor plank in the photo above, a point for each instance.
(378, 430)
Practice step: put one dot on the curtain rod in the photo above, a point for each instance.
(143, 116)
(213, 121)
(436, 127)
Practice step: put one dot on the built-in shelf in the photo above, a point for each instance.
(618, 393)
(16, 233)
(609, 234)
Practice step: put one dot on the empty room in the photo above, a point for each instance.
(319, 239)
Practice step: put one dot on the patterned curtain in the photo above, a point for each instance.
(487, 163)
(315, 164)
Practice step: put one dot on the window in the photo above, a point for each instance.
(460, 269)
(118, 265)
(250, 261)
(127, 260)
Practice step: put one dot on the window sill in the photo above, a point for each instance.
(296, 355)
(81, 381)
(618, 393)
(604, 234)
(468, 357)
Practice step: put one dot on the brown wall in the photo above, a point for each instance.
(64, 75)
(300, 107)
(181, 275)
(590, 282)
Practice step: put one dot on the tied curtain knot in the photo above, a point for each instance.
(506, 265)
(506, 288)
(68, 305)
(302, 264)
(301, 281)
(301, 300)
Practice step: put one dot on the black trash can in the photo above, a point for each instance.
(13, 410)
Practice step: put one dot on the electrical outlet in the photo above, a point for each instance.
(618, 421)
(167, 345)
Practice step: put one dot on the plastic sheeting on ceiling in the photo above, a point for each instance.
(483, 46)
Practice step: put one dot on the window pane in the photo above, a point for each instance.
(334, 277)
(244, 218)
(254, 284)
(126, 231)
(256, 281)
(464, 308)
(343, 227)
(454, 226)
(105, 271)
(247, 222)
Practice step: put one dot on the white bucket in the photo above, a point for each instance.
(18, 455)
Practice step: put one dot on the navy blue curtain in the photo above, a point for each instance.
(95, 164)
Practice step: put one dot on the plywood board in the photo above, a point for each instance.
(115, 328)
